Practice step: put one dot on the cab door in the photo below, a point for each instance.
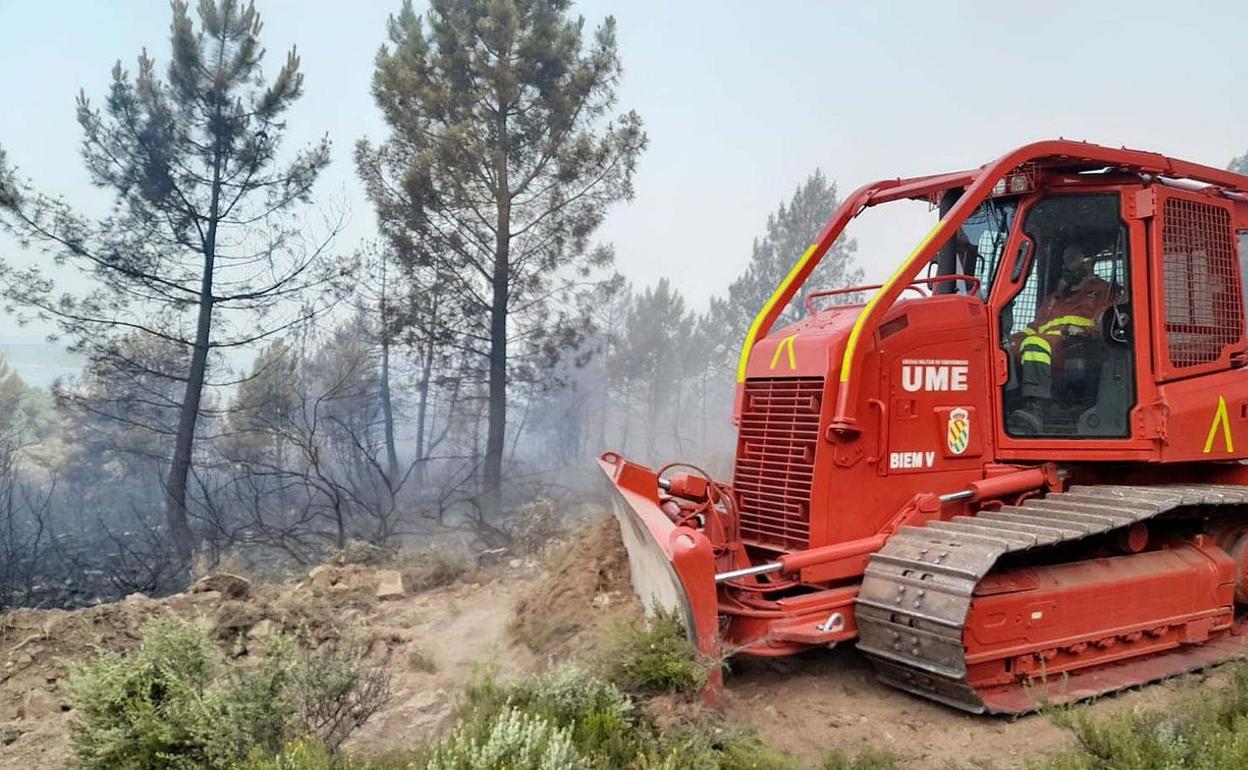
(1070, 313)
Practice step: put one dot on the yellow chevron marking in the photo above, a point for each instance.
(752, 336)
(1223, 418)
(785, 344)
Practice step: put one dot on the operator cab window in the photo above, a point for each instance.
(979, 244)
(1067, 332)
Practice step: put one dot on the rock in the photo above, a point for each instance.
(136, 597)
(261, 631)
(9, 735)
(515, 564)
(390, 585)
(324, 576)
(228, 584)
(38, 704)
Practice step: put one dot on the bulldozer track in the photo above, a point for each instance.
(917, 590)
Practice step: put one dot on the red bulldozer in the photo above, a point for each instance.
(1016, 473)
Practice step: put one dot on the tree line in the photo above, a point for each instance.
(250, 384)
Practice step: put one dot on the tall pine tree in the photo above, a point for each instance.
(503, 156)
(201, 247)
(790, 231)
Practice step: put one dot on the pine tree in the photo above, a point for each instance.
(654, 350)
(201, 249)
(790, 231)
(502, 160)
(268, 397)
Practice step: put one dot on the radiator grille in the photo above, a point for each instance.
(1204, 307)
(776, 459)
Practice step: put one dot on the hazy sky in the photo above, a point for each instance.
(741, 100)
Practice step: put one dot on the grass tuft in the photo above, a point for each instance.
(865, 759)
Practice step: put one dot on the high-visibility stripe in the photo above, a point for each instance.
(1039, 356)
(752, 334)
(1037, 342)
(851, 344)
(1067, 320)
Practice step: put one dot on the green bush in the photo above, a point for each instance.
(177, 703)
(508, 740)
(608, 730)
(307, 754)
(601, 720)
(562, 719)
(299, 755)
(336, 692)
(708, 746)
(169, 705)
(1211, 731)
(657, 658)
(749, 752)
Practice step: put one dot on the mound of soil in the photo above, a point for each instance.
(586, 590)
(429, 640)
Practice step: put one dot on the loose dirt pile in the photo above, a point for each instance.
(586, 590)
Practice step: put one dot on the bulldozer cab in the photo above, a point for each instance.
(1100, 287)
(1064, 321)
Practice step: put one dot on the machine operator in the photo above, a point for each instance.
(1067, 319)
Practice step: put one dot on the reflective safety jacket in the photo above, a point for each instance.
(1062, 314)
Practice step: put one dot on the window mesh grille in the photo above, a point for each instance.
(1025, 303)
(1203, 307)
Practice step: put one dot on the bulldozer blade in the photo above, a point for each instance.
(671, 567)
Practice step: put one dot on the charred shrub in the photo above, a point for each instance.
(435, 567)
